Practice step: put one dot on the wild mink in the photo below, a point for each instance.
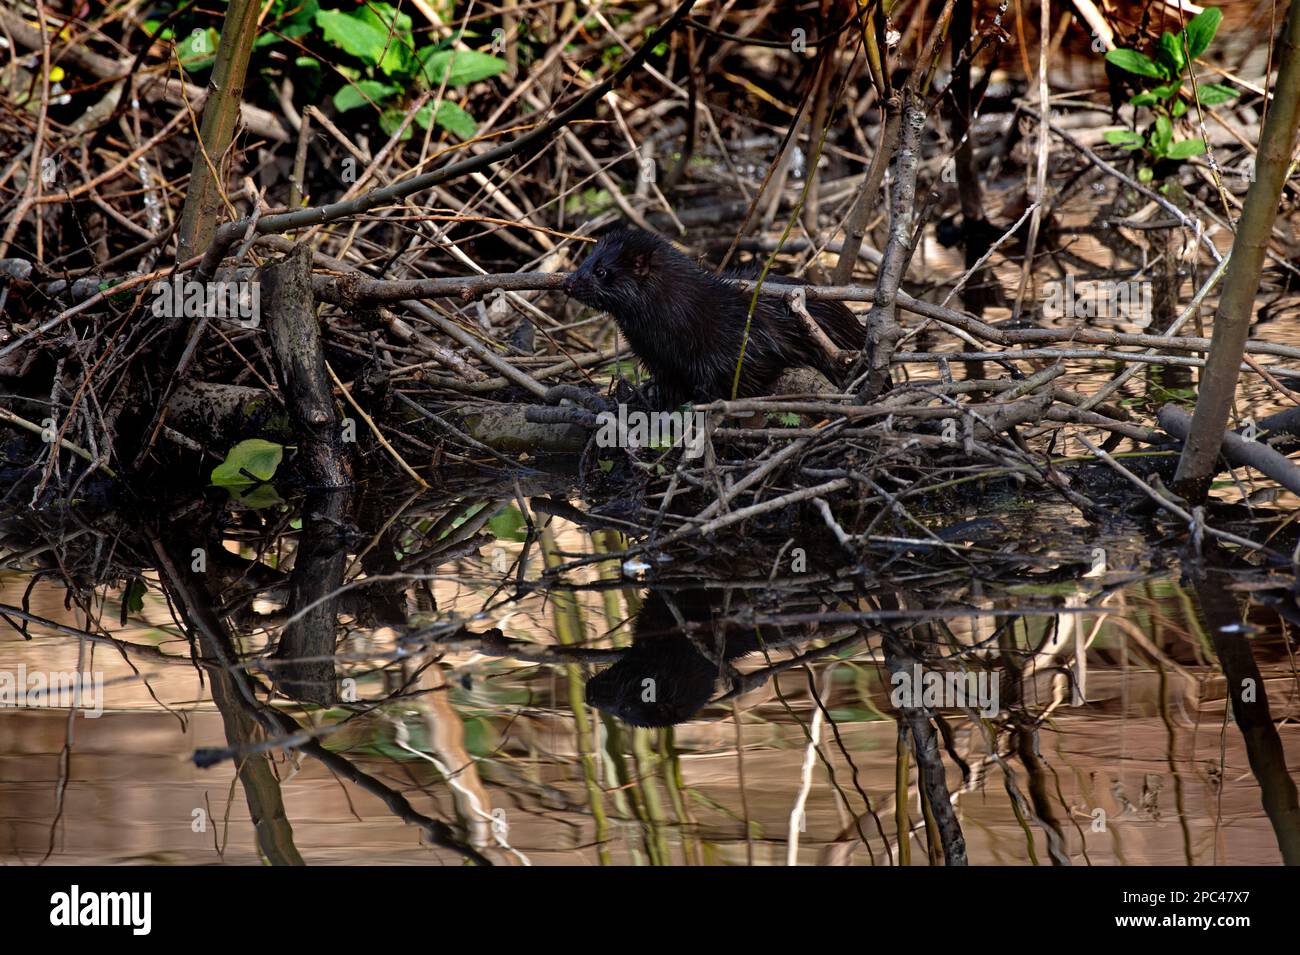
(664, 679)
(687, 324)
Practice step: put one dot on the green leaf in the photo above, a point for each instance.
(1161, 135)
(1212, 94)
(385, 16)
(455, 120)
(1186, 149)
(197, 51)
(366, 37)
(1179, 108)
(259, 458)
(1169, 54)
(1166, 91)
(481, 737)
(1120, 137)
(1200, 30)
(1147, 98)
(351, 35)
(255, 497)
(134, 596)
(1134, 62)
(363, 93)
(300, 20)
(392, 118)
(1146, 174)
(459, 67)
(508, 524)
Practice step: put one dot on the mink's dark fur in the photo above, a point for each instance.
(686, 324)
(664, 679)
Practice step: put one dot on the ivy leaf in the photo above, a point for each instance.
(362, 93)
(1212, 94)
(1200, 30)
(1132, 61)
(259, 458)
(1147, 98)
(1179, 108)
(1186, 149)
(459, 67)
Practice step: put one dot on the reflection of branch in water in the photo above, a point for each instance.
(752, 680)
(200, 619)
(929, 763)
(1250, 709)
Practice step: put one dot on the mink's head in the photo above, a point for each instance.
(616, 276)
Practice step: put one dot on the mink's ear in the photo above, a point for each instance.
(641, 264)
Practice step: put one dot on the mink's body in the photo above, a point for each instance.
(664, 679)
(687, 324)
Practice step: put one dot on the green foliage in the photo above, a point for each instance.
(1166, 98)
(381, 38)
(362, 92)
(508, 524)
(247, 469)
(373, 46)
(589, 202)
(787, 419)
(1200, 31)
(134, 595)
(249, 462)
(456, 67)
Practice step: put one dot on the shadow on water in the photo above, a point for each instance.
(516, 681)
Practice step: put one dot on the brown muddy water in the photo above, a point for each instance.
(1099, 735)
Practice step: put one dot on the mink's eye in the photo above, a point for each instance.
(601, 274)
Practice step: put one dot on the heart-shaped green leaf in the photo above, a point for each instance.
(259, 458)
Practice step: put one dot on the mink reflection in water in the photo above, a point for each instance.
(664, 679)
(687, 324)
